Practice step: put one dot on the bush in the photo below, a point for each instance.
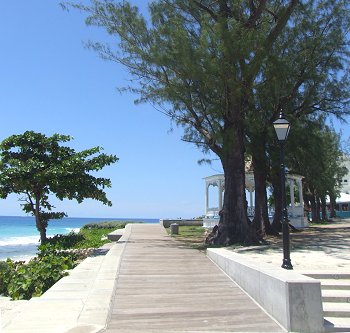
(67, 241)
(86, 238)
(106, 225)
(21, 280)
(90, 236)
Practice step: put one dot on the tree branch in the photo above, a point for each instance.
(283, 16)
(256, 13)
(206, 9)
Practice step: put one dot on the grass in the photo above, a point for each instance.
(193, 236)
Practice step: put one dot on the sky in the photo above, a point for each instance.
(50, 83)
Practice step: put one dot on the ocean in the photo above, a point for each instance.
(19, 237)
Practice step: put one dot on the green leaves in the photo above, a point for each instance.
(35, 166)
(23, 281)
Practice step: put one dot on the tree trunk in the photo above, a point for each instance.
(277, 195)
(332, 205)
(313, 208)
(307, 207)
(39, 225)
(318, 208)
(261, 220)
(324, 208)
(234, 226)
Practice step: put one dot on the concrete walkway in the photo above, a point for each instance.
(323, 248)
(78, 303)
(163, 286)
(146, 282)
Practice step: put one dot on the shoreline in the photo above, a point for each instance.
(25, 259)
(19, 237)
(32, 248)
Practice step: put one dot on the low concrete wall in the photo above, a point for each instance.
(294, 300)
(181, 222)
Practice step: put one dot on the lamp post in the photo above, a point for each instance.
(282, 128)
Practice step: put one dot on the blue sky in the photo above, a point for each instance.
(51, 84)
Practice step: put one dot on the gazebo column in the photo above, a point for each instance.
(300, 188)
(250, 209)
(220, 195)
(292, 199)
(206, 198)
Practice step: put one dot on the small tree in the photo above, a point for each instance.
(35, 166)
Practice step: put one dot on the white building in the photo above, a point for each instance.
(213, 207)
(345, 185)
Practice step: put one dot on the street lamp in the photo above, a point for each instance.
(282, 128)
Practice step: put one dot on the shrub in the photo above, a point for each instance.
(90, 236)
(106, 225)
(86, 238)
(66, 241)
(22, 280)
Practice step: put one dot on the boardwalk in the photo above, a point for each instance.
(166, 287)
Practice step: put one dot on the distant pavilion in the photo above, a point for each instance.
(295, 209)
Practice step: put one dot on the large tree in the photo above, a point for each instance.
(36, 166)
(213, 66)
(198, 61)
(306, 77)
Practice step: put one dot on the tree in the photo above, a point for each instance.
(321, 165)
(36, 166)
(197, 61)
(210, 66)
(306, 76)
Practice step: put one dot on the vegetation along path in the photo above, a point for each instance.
(164, 286)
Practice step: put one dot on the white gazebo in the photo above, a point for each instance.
(295, 210)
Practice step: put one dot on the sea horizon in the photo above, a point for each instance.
(19, 237)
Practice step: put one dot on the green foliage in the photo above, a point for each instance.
(106, 225)
(90, 236)
(93, 238)
(66, 241)
(316, 154)
(23, 281)
(35, 166)
(224, 69)
(197, 59)
(86, 238)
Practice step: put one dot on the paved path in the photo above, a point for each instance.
(166, 287)
(318, 248)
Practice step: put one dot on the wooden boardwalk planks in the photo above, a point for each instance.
(164, 286)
